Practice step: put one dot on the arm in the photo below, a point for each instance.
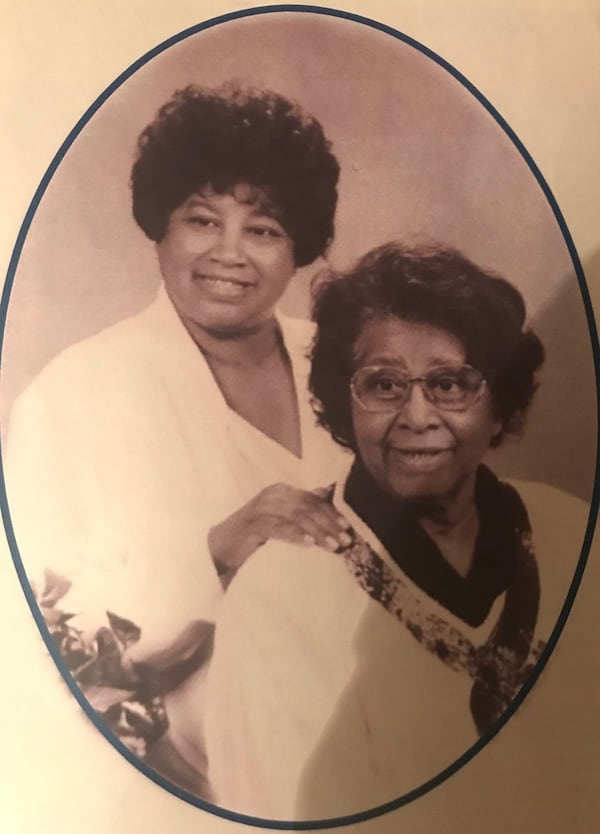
(281, 512)
(78, 509)
(96, 496)
(281, 659)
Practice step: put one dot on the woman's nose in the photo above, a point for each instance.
(417, 412)
(228, 247)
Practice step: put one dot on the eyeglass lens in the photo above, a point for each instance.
(449, 387)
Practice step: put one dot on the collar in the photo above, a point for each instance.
(418, 557)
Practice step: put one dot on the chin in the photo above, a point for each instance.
(224, 323)
(419, 489)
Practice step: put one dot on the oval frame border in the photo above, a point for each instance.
(472, 751)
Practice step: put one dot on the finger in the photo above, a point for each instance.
(326, 517)
(288, 532)
(276, 526)
(304, 531)
(305, 509)
(321, 533)
(322, 494)
(282, 499)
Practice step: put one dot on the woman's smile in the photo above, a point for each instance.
(226, 260)
(223, 287)
(419, 459)
(419, 450)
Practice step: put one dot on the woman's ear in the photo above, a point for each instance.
(513, 427)
(345, 437)
(498, 429)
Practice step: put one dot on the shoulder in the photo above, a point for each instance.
(291, 584)
(298, 333)
(114, 344)
(94, 366)
(552, 510)
(558, 524)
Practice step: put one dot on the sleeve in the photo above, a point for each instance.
(47, 477)
(273, 680)
(86, 500)
(559, 521)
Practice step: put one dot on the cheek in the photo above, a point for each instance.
(480, 424)
(281, 254)
(284, 266)
(369, 432)
(171, 253)
(476, 434)
(275, 273)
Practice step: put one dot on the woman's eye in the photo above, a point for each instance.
(387, 385)
(265, 232)
(446, 384)
(203, 221)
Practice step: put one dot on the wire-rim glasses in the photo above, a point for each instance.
(384, 388)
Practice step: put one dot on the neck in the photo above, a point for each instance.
(449, 511)
(453, 524)
(242, 346)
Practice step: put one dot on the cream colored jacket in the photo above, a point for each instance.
(321, 704)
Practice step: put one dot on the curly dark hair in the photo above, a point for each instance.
(436, 286)
(234, 134)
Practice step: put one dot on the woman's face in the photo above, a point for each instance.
(419, 451)
(225, 261)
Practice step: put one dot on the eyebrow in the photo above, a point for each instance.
(259, 208)
(382, 359)
(266, 209)
(394, 361)
(199, 202)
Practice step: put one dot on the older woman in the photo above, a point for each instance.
(146, 463)
(342, 681)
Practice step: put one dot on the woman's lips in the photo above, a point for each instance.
(223, 286)
(420, 459)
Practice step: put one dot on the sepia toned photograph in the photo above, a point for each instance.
(298, 419)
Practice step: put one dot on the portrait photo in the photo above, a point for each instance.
(298, 418)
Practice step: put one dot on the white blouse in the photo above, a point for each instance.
(123, 453)
(321, 704)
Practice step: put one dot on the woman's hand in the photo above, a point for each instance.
(280, 512)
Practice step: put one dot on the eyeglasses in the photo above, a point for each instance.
(386, 389)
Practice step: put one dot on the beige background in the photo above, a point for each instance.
(421, 159)
(539, 64)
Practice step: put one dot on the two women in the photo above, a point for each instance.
(342, 681)
(157, 456)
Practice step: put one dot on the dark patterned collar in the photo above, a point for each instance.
(395, 525)
(500, 666)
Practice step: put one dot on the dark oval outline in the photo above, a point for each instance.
(587, 541)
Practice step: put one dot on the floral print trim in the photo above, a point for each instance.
(500, 666)
(123, 696)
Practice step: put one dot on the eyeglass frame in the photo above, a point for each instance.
(410, 382)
